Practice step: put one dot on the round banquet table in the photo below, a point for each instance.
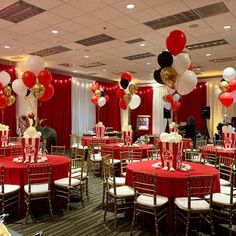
(172, 184)
(218, 150)
(107, 139)
(118, 147)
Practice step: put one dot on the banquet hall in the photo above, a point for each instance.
(115, 111)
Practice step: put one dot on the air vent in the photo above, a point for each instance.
(224, 59)
(93, 64)
(211, 10)
(207, 44)
(139, 56)
(171, 20)
(66, 64)
(19, 11)
(135, 41)
(51, 51)
(101, 38)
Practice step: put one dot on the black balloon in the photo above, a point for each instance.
(27, 93)
(165, 59)
(124, 83)
(157, 76)
(102, 94)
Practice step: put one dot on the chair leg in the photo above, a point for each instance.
(27, 211)
(81, 193)
(50, 206)
(115, 212)
(68, 200)
(212, 224)
(86, 189)
(133, 220)
(19, 199)
(175, 220)
(188, 224)
(156, 222)
(230, 221)
(106, 207)
(103, 194)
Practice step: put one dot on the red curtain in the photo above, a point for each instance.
(109, 114)
(191, 105)
(145, 108)
(57, 110)
(8, 114)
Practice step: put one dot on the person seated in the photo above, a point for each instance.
(218, 135)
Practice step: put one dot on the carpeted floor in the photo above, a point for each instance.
(87, 221)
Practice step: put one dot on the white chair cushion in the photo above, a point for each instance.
(37, 189)
(119, 181)
(226, 190)
(123, 174)
(145, 159)
(224, 182)
(122, 191)
(221, 198)
(149, 200)
(75, 170)
(11, 188)
(114, 161)
(96, 157)
(182, 203)
(78, 175)
(64, 182)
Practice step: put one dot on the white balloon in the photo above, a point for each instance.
(167, 105)
(217, 91)
(229, 73)
(5, 78)
(101, 101)
(35, 64)
(135, 101)
(181, 62)
(19, 87)
(176, 97)
(170, 91)
(186, 82)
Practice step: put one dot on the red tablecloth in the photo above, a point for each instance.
(85, 140)
(118, 148)
(8, 148)
(218, 150)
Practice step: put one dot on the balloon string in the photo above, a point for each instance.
(2, 115)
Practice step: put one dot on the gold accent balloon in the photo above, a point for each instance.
(224, 86)
(38, 90)
(11, 100)
(127, 98)
(7, 90)
(169, 76)
(98, 93)
(133, 88)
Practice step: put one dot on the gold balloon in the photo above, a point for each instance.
(133, 88)
(11, 100)
(127, 98)
(7, 90)
(224, 86)
(98, 93)
(164, 98)
(38, 90)
(169, 76)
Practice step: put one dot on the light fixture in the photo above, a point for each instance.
(148, 63)
(130, 6)
(55, 31)
(104, 70)
(227, 27)
(6, 46)
(86, 56)
(208, 54)
(142, 44)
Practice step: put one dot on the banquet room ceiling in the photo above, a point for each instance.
(103, 38)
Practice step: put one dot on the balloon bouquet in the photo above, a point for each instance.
(34, 80)
(99, 98)
(127, 92)
(226, 92)
(175, 70)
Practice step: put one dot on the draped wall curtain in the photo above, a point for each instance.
(83, 110)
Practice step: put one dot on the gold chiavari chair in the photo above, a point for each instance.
(42, 147)
(137, 154)
(210, 157)
(2, 152)
(126, 157)
(153, 154)
(193, 156)
(16, 150)
(58, 150)
(200, 143)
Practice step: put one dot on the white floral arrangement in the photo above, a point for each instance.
(4, 127)
(127, 128)
(99, 124)
(171, 137)
(31, 132)
(228, 129)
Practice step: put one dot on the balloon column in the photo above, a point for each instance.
(35, 80)
(6, 96)
(226, 92)
(175, 70)
(127, 92)
(99, 98)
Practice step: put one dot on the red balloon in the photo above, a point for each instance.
(107, 98)
(175, 106)
(232, 85)
(1, 86)
(226, 99)
(169, 98)
(176, 42)
(94, 100)
(126, 75)
(94, 87)
(3, 100)
(120, 93)
(48, 93)
(29, 79)
(44, 77)
(122, 104)
(190, 67)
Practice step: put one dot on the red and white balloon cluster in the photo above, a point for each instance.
(6, 96)
(127, 92)
(99, 98)
(35, 79)
(226, 92)
(175, 70)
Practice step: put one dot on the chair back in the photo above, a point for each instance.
(226, 167)
(15, 139)
(137, 154)
(58, 150)
(2, 152)
(114, 140)
(2, 178)
(200, 143)
(16, 150)
(77, 165)
(126, 157)
(200, 187)
(39, 174)
(192, 156)
(108, 174)
(153, 154)
(210, 156)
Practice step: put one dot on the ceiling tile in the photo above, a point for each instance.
(138, 29)
(87, 20)
(88, 6)
(123, 22)
(146, 15)
(47, 5)
(49, 18)
(107, 13)
(34, 24)
(70, 26)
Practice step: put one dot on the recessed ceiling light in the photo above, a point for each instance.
(142, 44)
(198, 68)
(104, 70)
(55, 31)
(130, 6)
(227, 27)
(148, 63)
(86, 56)
(208, 54)
(6, 46)
(75, 71)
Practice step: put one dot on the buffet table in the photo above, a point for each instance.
(118, 147)
(107, 139)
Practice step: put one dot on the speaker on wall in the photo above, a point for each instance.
(206, 112)
(167, 113)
